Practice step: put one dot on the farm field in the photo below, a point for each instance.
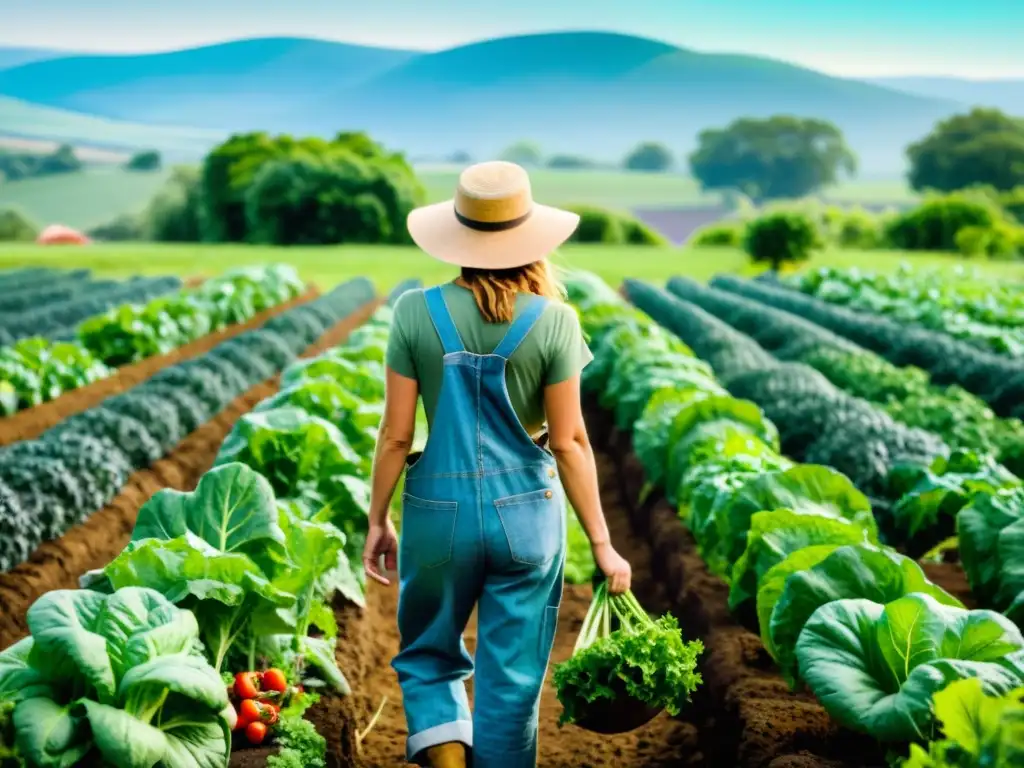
(756, 498)
(386, 266)
(100, 193)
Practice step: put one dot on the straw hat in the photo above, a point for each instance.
(492, 222)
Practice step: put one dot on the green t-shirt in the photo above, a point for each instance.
(554, 350)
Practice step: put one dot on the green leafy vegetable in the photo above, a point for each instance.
(794, 589)
(115, 678)
(644, 657)
(980, 730)
(876, 667)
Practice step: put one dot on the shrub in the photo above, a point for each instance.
(174, 214)
(15, 226)
(933, 225)
(855, 228)
(782, 237)
(148, 160)
(1013, 203)
(1001, 241)
(600, 225)
(127, 227)
(721, 233)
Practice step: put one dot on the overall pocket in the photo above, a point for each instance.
(428, 531)
(533, 525)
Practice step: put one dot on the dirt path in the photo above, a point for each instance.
(373, 639)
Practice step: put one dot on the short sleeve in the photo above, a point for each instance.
(399, 353)
(567, 352)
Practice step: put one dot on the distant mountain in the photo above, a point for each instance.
(1007, 95)
(14, 56)
(580, 92)
(246, 83)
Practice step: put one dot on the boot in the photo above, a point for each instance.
(450, 755)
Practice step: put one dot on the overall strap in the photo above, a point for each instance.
(442, 320)
(520, 327)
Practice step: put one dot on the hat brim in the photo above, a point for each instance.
(435, 229)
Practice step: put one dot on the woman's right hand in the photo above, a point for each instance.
(614, 567)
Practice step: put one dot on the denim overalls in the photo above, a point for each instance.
(483, 524)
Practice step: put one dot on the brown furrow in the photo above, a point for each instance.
(32, 422)
(57, 564)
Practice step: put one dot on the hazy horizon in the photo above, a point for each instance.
(871, 38)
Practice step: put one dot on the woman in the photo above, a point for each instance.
(493, 355)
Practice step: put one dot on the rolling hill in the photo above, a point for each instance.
(22, 119)
(15, 56)
(1007, 95)
(579, 92)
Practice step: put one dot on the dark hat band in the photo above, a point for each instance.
(491, 226)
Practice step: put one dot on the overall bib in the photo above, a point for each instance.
(483, 524)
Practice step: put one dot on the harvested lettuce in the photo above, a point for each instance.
(646, 658)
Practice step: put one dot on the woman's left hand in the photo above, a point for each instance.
(381, 540)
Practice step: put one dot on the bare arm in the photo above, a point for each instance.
(576, 466)
(394, 442)
(568, 440)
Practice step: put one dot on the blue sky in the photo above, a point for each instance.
(846, 37)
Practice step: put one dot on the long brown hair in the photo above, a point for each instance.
(495, 289)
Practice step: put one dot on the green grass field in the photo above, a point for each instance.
(98, 194)
(387, 266)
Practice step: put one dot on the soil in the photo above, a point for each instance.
(58, 564)
(369, 639)
(758, 722)
(32, 422)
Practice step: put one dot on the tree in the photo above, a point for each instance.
(335, 197)
(984, 146)
(148, 160)
(649, 156)
(778, 238)
(63, 160)
(524, 153)
(569, 162)
(777, 157)
(15, 226)
(174, 214)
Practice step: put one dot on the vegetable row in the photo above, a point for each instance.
(54, 311)
(996, 379)
(961, 419)
(797, 543)
(36, 370)
(55, 481)
(214, 584)
(973, 498)
(984, 314)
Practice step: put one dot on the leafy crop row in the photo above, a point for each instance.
(55, 481)
(996, 379)
(961, 419)
(817, 422)
(129, 671)
(59, 319)
(35, 370)
(987, 316)
(853, 620)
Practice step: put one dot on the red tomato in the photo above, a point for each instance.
(256, 732)
(274, 680)
(248, 712)
(247, 685)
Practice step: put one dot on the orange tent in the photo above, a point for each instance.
(58, 234)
